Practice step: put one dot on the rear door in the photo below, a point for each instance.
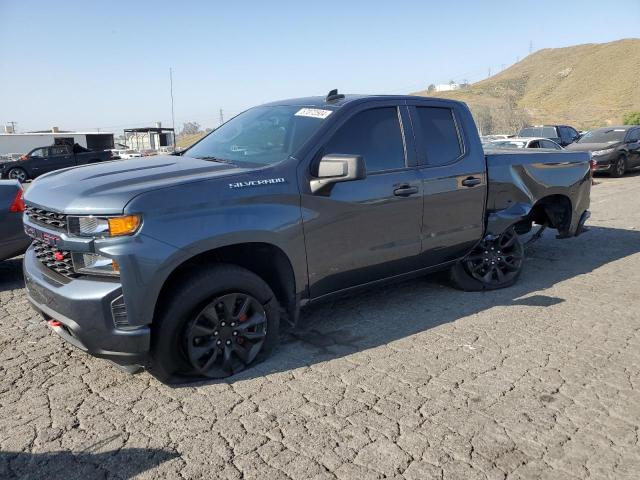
(60, 156)
(368, 229)
(453, 172)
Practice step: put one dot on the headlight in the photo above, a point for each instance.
(93, 264)
(90, 226)
(599, 153)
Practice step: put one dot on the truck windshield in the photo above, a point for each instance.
(609, 135)
(261, 135)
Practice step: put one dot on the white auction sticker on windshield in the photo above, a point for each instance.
(313, 113)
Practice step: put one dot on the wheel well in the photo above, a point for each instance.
(554, 211)
(265, 260)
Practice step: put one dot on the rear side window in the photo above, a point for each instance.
(440, 136)
(375, 134)
(59, 150)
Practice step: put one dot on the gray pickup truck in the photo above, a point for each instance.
(188, 264)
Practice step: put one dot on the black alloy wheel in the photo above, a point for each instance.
(226, 336)
(18, 174)
(497, 260)
(619, 168)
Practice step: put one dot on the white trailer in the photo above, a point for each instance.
(25, 142)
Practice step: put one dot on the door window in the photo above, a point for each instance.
(634, 136)
(38, 153)
(567, 134)
(534, 144)
(59, 150)
(440, 135)
(375, 134)
(549, 144)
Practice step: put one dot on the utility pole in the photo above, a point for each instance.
(173, 118)
(530, 47)
(221, 117)
(489, 72)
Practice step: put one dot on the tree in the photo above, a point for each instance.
(631, 118)
(190, 128)
(431, 88)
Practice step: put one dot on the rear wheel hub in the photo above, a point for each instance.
(496, 260)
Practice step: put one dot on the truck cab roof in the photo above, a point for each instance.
(347, 99)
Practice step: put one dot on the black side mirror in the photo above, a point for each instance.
(338, 168)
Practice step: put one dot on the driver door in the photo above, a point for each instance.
(365, 230)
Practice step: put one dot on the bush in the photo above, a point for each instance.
(631, 118)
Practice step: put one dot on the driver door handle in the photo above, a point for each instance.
(405, 191)
(471, 182)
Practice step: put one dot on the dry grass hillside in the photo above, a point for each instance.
(184, 141)
(585, 85)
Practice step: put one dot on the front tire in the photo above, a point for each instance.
(220, 320)
(495, 263)
(619, 167)
(19, 174)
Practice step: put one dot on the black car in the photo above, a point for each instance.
(13, 240)
(42, 160)
(563, 135)
(614, 149)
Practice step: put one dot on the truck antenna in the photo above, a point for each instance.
(334, 95)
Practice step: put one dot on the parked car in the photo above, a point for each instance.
(516, 143)
(615, 150)
(47, 159)
(13, 240)
(563, 135)
(124, 154)
(189, 266)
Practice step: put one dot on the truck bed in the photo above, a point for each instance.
(517, 181)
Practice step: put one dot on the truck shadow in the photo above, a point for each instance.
(382, 315)
(63, 465)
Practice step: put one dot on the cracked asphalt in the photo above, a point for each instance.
(415, 381)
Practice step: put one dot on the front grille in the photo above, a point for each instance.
(57, 260)
(57, 221)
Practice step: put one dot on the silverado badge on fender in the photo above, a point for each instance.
(256, 183)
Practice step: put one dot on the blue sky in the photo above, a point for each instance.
(89, 64)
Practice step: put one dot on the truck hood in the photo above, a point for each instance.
(591, 147)
(105, 188)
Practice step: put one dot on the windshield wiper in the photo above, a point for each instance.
(215, 159)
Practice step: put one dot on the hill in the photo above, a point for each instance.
(184, 141)
(585, 86)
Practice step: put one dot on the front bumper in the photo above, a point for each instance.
(605, 163)
(83, 307)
